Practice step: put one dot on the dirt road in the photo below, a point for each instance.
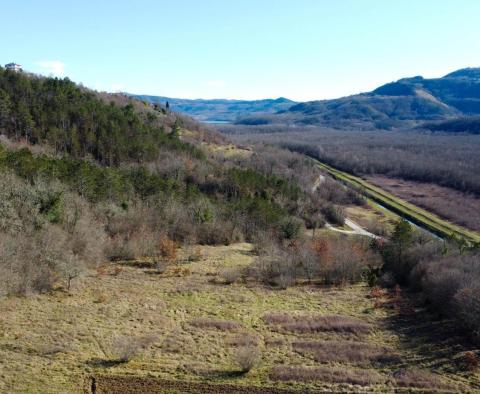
(355, 229)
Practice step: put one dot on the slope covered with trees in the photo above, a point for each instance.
(124, 172)
(77, 121)
(400, 104)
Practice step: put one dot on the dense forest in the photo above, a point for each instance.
(78, 122)
(114, 175)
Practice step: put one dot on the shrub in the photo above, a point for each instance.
(34, 262)
(467, 306)
(344, 351)
(451, 287)
(119, 249)
(274, 270)
(124, 348)
(313, 324)
(334, 261)
(291, 228)
(192, 253)
(376, 227)
(222, 325)
(274, 265)
(471, 360)
(247, 357)
(166, 249)
(314, 221)
(161, 267)
(86, 235)
(416, 378)
(342, 260)
(144, 243)
(334, 214)
(278, 318)
(177, 343)
(231, 274)
(214, 233)
(51, 349)
(284, 280)
(244, 339)
(47, 235)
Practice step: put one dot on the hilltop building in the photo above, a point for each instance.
(13, 67)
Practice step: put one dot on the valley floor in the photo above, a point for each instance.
(310, 337)
(460, 208)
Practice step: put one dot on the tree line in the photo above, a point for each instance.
(444, 159)
(79, 122)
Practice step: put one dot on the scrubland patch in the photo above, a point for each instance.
(416, 378)
(222, 325)
(138, 328)
(312, 324)
(345, 351)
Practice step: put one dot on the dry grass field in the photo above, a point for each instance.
(133, 330)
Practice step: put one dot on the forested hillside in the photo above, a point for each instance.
(78, 122)
(400, 104)
(116, 177)
(125, 214)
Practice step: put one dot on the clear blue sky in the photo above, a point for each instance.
(301, 49)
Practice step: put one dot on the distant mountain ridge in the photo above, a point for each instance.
(405, 103)
(220, 110)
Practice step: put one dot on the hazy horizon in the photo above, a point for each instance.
(307, 50)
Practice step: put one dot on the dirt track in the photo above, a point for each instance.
(355, 229)
(107, 384)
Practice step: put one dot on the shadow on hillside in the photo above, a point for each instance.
(248, 253)
(99, 362)
(137, 264)
(222, 374)
(437, 344)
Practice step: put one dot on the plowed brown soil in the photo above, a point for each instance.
(106, 384)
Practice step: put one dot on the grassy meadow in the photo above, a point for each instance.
(128, 320)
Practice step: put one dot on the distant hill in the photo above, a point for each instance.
(404, 103)
(220, 110)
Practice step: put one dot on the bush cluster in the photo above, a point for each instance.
(47, 236)
(447, 273)
(89, 175)
(324, 260)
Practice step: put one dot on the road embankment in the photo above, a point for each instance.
(417, 215)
